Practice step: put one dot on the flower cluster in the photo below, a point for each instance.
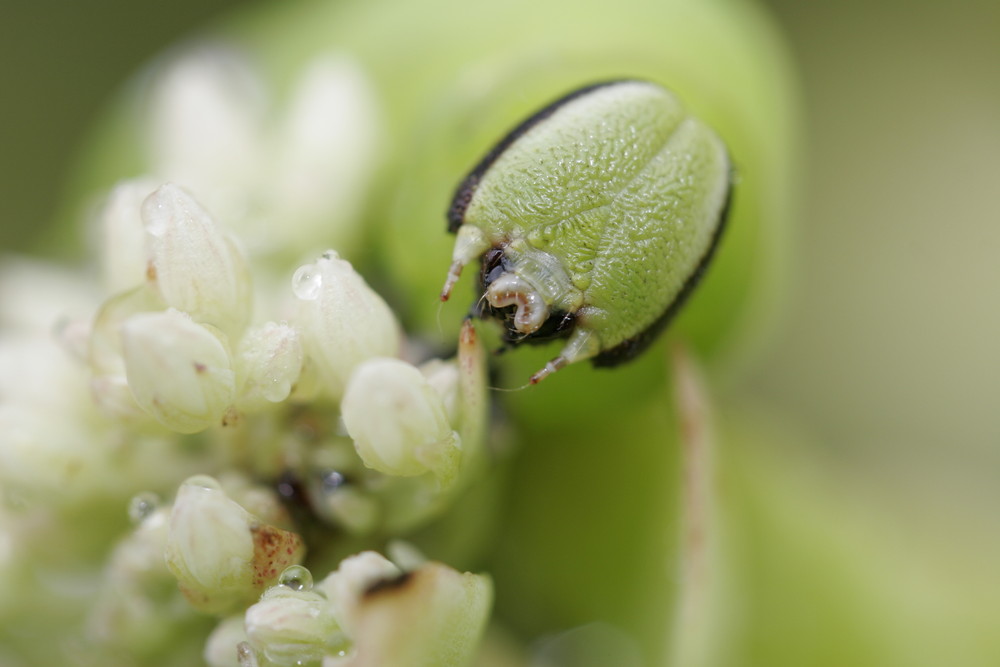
(283, 411)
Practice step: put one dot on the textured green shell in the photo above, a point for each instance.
(593, 220)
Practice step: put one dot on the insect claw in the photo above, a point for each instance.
(548, 369)
(453, 273)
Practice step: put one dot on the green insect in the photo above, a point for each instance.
(593, 221)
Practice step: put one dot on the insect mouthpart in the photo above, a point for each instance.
(511, 290)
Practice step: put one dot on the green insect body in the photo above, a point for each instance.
(593, 220)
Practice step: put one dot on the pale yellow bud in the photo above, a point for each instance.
(430, 617)
(326, 154)
(290, 627)
(220, 647)
(355, 574)
(124, 256)
(195, 266)
(221, 554)
(270, 362)
(178, 370)
(342, 320)
(398, 421)
(208, 107)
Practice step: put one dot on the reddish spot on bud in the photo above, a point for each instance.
(274, 549)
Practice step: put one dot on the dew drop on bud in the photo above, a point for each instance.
(332, 481)
(276, 390)
(297, 578)
(306, 282)
(141, 506)
(158, 222)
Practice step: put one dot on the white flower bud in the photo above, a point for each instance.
(293, 627)
(398, 421)
(356, 574)
(129, 610)
(60, 461)
(109, 386)
(179, 371)
(196, 267)
(124, 257)
(221, 554)
(430, 617)
(207, 110)
(220, 647)
(326, 150)
(343, 321)
(270, 361)
(444, 377)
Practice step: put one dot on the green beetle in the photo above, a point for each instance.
(593, 221)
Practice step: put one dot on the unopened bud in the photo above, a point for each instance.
(195, 266)
(356, 574)
(444, 377)
(220, 647)
(207, 111)
(343, 321)
(429, 617)
(326, 154)
(398, 421)
(221, 554)
(293, 627)
(179, 371)
(105, 354)
(123, 236)
(270, 361)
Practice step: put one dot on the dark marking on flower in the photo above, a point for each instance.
(388, 585)
(231, 417)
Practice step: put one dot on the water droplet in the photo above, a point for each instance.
(157, 216)
(276, 390)
(297, 578)
(245, 655)
(307, 282)
(141, 506)
(332, 481)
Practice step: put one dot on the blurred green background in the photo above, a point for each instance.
(888, 358)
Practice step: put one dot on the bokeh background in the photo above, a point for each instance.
(888, 358)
